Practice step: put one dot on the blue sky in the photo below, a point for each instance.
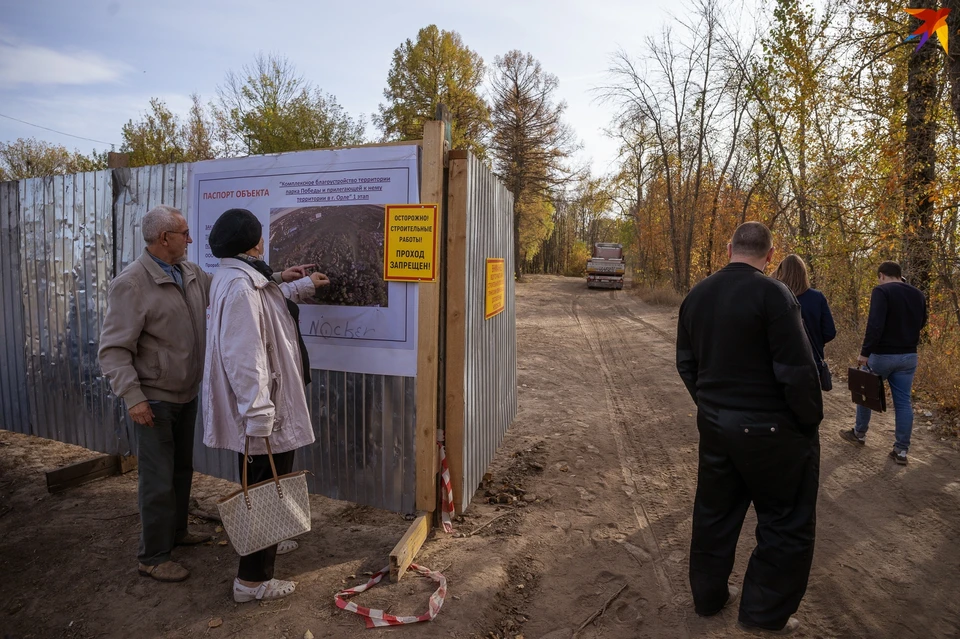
(88, 66)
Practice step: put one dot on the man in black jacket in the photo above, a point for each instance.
(898, 312)
(745, 359)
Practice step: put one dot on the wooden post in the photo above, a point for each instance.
(117, 160)
(428, 328)
(455, 351)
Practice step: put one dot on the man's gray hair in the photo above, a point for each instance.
(752, 239)
(157, 220)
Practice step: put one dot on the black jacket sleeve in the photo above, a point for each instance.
(687, 364)
(827, 328)
(875, 321)
(793, 365)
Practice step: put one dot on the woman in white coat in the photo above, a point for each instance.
(254, 382)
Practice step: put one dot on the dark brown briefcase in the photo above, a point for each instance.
(866, 389)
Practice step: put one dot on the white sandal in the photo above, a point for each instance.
(266, 591)
(287, 545)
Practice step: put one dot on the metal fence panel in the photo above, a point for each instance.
(62, 241)
(365, 430)
(57, 256)
(138, 190)
(490, 374)
(14, 399)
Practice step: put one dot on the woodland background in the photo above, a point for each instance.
(816, 118)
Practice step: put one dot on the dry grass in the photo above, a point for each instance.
(657, 294)
(938, 376)
(938, 383)
(842, 353)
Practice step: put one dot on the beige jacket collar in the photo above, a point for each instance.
(159, 276)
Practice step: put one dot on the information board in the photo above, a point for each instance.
(326, 208)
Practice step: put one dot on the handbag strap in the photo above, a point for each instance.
(816, 355)
(273, 469)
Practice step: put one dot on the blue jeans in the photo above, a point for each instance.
(898, 370)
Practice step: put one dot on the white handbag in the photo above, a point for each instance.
(259, 516)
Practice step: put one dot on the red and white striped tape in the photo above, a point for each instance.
(446, 492)
(379, 618)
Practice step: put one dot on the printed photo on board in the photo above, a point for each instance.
(345, 242)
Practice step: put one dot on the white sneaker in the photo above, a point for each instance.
(266, 591)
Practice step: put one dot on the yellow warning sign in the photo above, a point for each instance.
(410, 243)
(496, 287)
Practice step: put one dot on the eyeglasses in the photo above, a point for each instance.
(185, 234)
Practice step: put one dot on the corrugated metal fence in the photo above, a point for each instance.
(14, 397)
(57, 260)
(62, 239)
(481, 356)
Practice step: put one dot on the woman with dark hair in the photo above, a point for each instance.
(813, 304)
(254, 384)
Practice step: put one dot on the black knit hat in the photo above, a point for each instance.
(235, 232)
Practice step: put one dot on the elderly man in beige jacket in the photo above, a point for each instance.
(151, 350)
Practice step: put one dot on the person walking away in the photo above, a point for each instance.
(898, 312)
(745, 360)
(152, 331)
(814, 309)
(254, 386)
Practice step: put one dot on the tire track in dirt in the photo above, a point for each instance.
(646, 430)
(627, 457)
(601, 370)
(882, 525)
(886, 562)
(581, 536)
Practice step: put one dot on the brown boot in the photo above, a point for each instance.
(192, 539)
(168, 571)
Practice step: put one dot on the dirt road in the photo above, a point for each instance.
(886, 564)
(603, 458)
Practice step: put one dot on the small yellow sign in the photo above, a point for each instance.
(496, 287)
(410, 243)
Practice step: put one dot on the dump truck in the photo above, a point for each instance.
(605, 269)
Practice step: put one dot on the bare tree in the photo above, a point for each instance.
(678, 91)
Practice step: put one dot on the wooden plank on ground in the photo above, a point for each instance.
(409, 545)
(126, 463)
(454, 360)
(428, 328)
(81, 472)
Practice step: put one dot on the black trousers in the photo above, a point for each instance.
(764, 459)
(165, 473)
(258, 566)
